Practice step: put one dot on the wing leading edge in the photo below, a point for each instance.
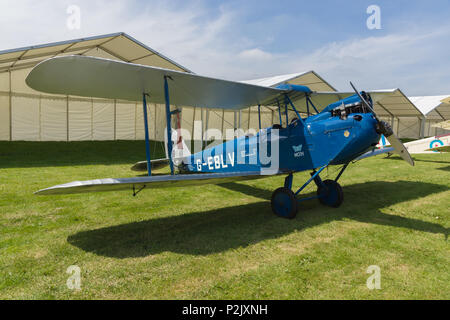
(164, 181)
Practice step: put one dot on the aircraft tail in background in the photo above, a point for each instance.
(427, 145)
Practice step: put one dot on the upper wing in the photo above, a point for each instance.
(103, 78)
(180, 180)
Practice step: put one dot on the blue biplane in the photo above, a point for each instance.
(344, 131)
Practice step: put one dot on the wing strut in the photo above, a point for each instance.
(147, 143)
(169, 126)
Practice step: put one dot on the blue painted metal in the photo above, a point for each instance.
(288, 181)
(169, 125)
(147, 143)
(307, 106)
(341, 172)
(301, 147)
(310, 179)
(295, 109)
(293, 87)
(309, 101)
(317, 180)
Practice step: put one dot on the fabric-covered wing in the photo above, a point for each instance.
(375, 152)
(103, 78)
(165, 181)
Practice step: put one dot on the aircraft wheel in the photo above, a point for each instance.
(331, 194)
(284, 203)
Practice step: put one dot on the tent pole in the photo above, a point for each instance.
(169, 127)
(422, 128)
(67, 118)
(286, 108)
(206, 127)
(10, 107)
(40, 118)
(259, 116)
(279, 113)
(115, 120)
(147, 143)
(203, 127)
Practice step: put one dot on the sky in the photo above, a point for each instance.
(242, 40)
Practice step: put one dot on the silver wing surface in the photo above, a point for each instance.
(376, 152)
(164, 181)
(103, 78)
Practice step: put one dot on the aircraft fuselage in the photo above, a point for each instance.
(303, 145)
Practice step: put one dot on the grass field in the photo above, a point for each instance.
(218, 241)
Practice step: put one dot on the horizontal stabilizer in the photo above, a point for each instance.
(164, 181)
(141, 166)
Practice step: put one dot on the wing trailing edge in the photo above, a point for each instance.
(163, 181)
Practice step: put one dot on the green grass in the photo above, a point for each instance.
(442, 149)
(218, 241)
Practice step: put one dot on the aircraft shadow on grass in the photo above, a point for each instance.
(25, 154)
(208, 232)
(447, 168)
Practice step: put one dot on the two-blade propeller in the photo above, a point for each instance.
(385, 129)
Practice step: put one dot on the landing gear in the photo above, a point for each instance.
(330, 193)
(284, 203)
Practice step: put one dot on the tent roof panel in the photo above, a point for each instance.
(44, 51)
(93, 42)
(428, 104)
(312, 80)
(275, 80)
(154, 59)
(126, 49)
(119, 45)
(309, 79)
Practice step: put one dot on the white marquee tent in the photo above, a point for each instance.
(26, 114)
(436, 110)
(29, 115)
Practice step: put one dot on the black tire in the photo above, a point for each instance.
(331, 194)
(284, 204)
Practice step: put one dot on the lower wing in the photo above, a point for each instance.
(375, 152)
(137, 183)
